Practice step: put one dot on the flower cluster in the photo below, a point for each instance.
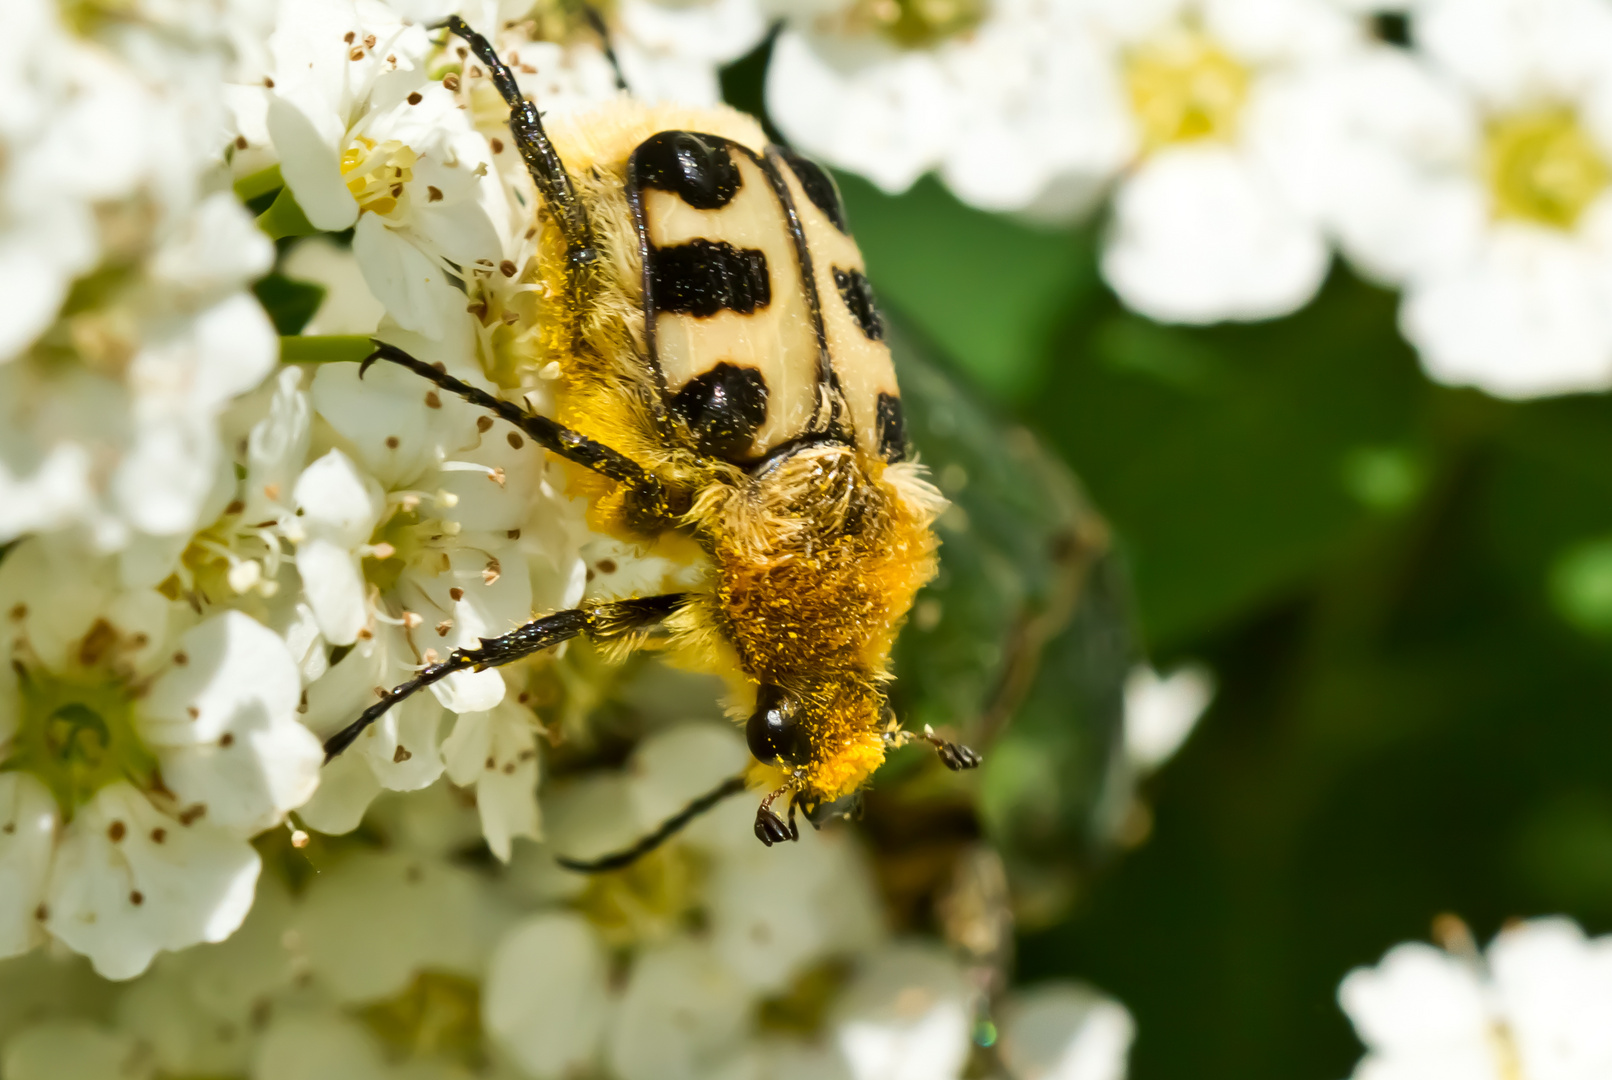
(709, 958)
(1455, 149)
(1535, 1004)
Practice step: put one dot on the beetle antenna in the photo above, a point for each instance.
(616, 860)
(596, 21)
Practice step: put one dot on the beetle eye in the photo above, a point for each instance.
(773, 730)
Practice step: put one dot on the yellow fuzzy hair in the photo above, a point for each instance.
(815, 562)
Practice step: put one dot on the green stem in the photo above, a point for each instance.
(325, 348)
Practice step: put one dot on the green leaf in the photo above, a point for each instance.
(289, 302)
(256, 185)
(285, 218)
(325, 349)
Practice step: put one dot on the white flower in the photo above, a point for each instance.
(1064, 1031)
(907, 1016)
(1534, 1005)
(1160, 712)
(1476, 173)
(1191, 106)
(140, 757)
(408, 543)
(126, 328)
(366, 139)
(1008, 100)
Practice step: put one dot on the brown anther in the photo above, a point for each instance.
(193, 712)
(190, 814)
(137, 897)
(41, 912)
(235, 507)
(443, 627)
(496, 475)
(397, 191)
(506, 268)
(369, 41)
(227, 739)
(302, 702)
(456, 594)
(462, 51)
(158, 835)
(268, 82)
(391, 442)
(391, 58)
(411, 619)
(272, 491)
(365, 633)
(606, 566)
(414, 98)
(430, 656)
(509, 768)
(491, 572)
(19, 612)
(433, 194)
(400, 755)
(380, 692)
(515, 440)
(356, 54)
(240, 142)
(350, 36)
(491, 764)
(116, 831)
(451, 81)
(475, 72)
(513, 534)
(181, 659)
(497, 145)
(432, 401)
(484, 424)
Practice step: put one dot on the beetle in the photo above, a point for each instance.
(725, 392)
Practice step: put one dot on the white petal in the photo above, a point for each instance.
(889, 119)
(490, 602)
(346, 788)
(497, 752)
(310, 168)
(1200, 234)
(414, 289)
(682, 1011)
(276, 449)
(1555, 989)
(193, 882)
(335, 583)
(1161, 712)
(546, 999)
(905, 1017)
(1417, 998)
(771, 918)
(387, 419)
(318, 1048)
(224, 725)
(28, 825)
(73, 1048)
(1530, 315)
(218, 247)
(1065, 1032)
(388, 916)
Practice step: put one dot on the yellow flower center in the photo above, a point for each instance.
(1184, 87)
(1543, 167)
(915, 24)
(404, 540)
(376, 173)
(77, 733)
(647, 899)
(438, 1015)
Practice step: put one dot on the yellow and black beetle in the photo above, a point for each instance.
(724, 390)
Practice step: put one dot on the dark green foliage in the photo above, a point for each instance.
(289, 302)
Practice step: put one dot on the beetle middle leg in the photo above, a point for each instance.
(770, 828)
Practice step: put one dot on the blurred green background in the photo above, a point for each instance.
(1405, 592)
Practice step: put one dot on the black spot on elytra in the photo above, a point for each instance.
(696, 168)
(703, 277)
(818, 185)
(892, 429)
(858, 297)
(723, 409)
